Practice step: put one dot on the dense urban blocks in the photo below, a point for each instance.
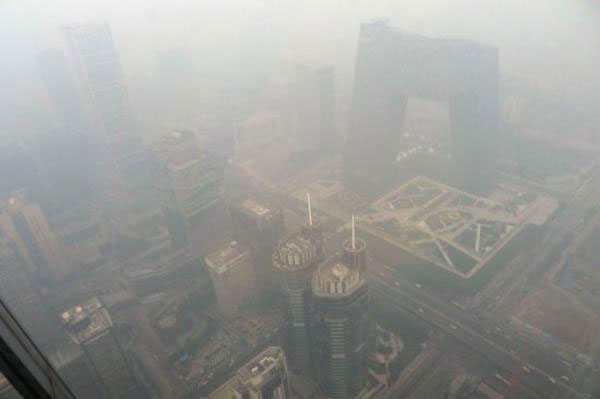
(393, 66)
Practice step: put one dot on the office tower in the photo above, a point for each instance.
(260, 226)
(296, 259)
(20, 293)
(62, 90)
(90, 326)
(126, 165)
(315, 107)
(17, 170)
(265, 376)
(232, 274)
(189, 184)
(25, 224)
(340, 300)
(391, 67)
(69, 360)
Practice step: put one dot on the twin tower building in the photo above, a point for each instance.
(325, 297)
(326, 304)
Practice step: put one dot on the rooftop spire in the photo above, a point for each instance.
(353, 234)
(309, 209)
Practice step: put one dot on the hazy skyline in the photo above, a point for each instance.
(554, 44)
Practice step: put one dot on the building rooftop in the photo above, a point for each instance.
(227, 256)
(256, 208)
(99, 322)
(334, 278)
(296, 251)
(260, 369)
(76, 314)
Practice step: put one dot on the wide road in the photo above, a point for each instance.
(540, 371)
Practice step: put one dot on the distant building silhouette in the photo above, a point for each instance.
(62, 90)
(37, 244)
(391, 67)
(314, 91)
(189, 183)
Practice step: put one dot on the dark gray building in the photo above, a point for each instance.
(90, 326)
(296, 259)
(62, 90)
(340, 301)
(391, 67)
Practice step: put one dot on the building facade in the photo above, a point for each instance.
(232, 273)
(260, 226)
(295, 260)
(25, 224)
(90, 326)
(340, 301)
(265, 376)
(189, 184)
(391, 67)
(315, 107)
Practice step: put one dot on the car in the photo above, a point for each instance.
(452, 326)
(418, 286)
(526, 369)
(552, 380)
(397, 284)
(421, 310)
(564, 377)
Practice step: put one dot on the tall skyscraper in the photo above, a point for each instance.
(189, 184)
(265, 376)
(26, 225)
(94, 57)
(340, 298)
(20, 293)
(315, 107)
(296, 259)
(127, 174)
(232, 273)
(260, 226)
(62, 90)
(90, 326)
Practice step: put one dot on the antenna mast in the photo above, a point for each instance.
(353, 234)
(309, 209)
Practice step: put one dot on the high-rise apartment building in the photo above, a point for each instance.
(315, 107)
(340, 300)
(232, 273)
(25, 224)
(90, 326)
(189, 184)
(265, 376)
(260, 226)
(295, 260)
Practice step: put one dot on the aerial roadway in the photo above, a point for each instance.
(542, 371)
